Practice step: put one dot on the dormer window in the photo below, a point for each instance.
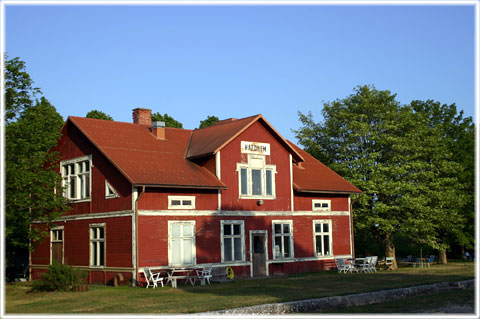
(256, 179)
(76, 178)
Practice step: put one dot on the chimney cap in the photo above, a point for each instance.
(158, 124)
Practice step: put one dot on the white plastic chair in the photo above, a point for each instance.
(372, 265)
(152, 279)
(343, 266)
(204, 275)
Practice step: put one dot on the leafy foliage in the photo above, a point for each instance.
(169, 121)
(33, 189)
(19, 90)
(209, 121)
(60, 277)
(402, 158)
(95, 114)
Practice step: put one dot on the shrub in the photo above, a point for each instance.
(60, 277)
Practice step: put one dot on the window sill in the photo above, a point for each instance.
(110, 197)
(256, 197)
(97, 267)
(75, 201)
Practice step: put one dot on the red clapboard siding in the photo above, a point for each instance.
(230, 155)
(40, 254)
(74, 144)
(303, 202)
(157, 198)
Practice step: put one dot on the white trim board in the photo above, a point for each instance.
(238, 213)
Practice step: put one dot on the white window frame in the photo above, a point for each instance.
(194, 247)
(96, 242)
(263, 168)
(322, 234)
(241, 236)
(108, 188)
(282, 235)
(322, 203)
(80, 178)
(52, 240)
(181, 199)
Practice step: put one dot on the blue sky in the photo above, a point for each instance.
(236, 61)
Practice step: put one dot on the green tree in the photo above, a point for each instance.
(169, 121)
(95, 114)
(19, 90)
(32, 186)
(209, 121)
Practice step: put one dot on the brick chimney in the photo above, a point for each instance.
(142, 116)
(158, 130)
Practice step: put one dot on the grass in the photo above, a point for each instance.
(240, 293)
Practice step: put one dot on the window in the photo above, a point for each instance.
(110, 192)
(321, 204)
(97, 245)
(233, 240)
(181, 202)
(56, 244)
(322, 230)
(256, 179)
(181, 243)
(282, 239)
(76, 178)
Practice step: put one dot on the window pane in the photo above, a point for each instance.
(187, 251)
(187, 203)
(236, 229)
(325, 228)
(101, 233)
(324, 205)
(269, 182)
(318, 228)
(286, 246)
(60, 235)
(94, 254)
(237, 244)
(73, 193)
(227, 251)
(87, 166)
(286, 228)
(72, 168)
(187, 230)
(318, 242)
(277, 228)
(278, 247)
(318, 205)
(87, 186)
(176, 202)
(243, 182)
(176, 230)
(65, 170)
(256, 182)
(227, 229)
(102, 255)
(176, 251)
(326, 245)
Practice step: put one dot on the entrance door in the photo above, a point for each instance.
(259, 255)
(57, 245)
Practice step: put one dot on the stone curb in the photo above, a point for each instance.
(315, 305)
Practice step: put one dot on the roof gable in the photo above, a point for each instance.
(142, 158)
(209, 140)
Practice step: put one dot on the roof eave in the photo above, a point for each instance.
(179, 186)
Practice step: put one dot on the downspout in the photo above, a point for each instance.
(351, 226)
(136, 233)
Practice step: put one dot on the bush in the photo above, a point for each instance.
(60, 277)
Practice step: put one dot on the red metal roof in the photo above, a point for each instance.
(145, 160)
(142, 158)
(209, 140)
(314, 177)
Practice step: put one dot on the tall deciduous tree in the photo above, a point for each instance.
(19, 89)
(209, 121)
(32, 186)
(169, 121)
(400, 158)
(96, 114)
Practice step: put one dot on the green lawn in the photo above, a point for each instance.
(240, 293)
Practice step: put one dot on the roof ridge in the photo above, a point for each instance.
(223, 122)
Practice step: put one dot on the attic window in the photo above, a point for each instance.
(110, 192)
(76, 178)
(181, 202)
(321, 204)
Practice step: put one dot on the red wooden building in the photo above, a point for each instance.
(234, 194)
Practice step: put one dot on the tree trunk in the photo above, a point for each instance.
(442, 256)
(390, 250)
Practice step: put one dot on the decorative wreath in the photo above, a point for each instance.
(230, 273)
